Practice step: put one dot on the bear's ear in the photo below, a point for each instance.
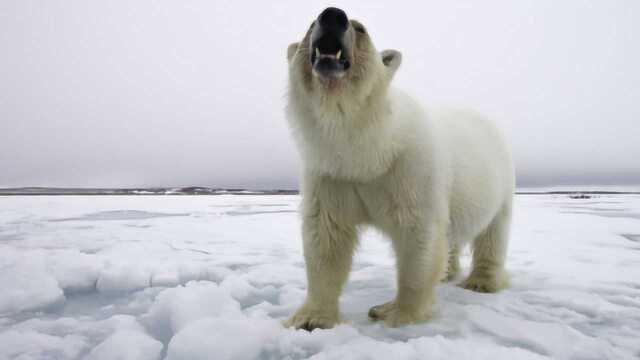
(391, 60)
(291, 50)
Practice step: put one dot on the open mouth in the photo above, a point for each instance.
(329, 65)
(329, 55)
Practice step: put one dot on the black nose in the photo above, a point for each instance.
(333, 19)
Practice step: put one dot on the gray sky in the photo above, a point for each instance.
(173, 93)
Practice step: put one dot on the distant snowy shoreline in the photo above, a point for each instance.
(141, 191)
(197, 190)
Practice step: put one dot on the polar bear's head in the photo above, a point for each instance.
(336, 58)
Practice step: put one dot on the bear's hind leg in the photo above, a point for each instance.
(489, 252)
(453, 268)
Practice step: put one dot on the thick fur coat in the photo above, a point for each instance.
(372, 156)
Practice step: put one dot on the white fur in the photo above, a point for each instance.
(430, 181)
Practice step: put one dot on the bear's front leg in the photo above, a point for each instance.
(421, 257)
(328, 250)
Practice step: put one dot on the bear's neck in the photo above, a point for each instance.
(347, 138)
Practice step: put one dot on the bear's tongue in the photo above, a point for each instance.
(329, 60)
(336, 56)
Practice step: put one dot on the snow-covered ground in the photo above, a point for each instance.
(211, 277)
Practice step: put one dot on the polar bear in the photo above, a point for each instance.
(431, 181)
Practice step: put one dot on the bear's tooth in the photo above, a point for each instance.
(338, 54)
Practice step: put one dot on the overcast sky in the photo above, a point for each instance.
(175, 93)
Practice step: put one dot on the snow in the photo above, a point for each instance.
(35, 345)
(201, 277)
(26, 285)
(127, 344)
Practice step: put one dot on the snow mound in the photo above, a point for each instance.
(223, 338)
(119, 278)
(27, 345)
(127, 344)
(26, 285)
(175, 308)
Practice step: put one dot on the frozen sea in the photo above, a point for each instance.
(211, 277)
